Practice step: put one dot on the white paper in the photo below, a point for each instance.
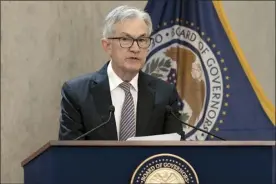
(162, 137)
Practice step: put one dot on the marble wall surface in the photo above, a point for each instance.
(45, 43)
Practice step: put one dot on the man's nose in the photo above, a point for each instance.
(135, 47)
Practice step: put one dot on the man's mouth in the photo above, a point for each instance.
(134, 58)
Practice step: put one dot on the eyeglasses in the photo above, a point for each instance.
(127, 42)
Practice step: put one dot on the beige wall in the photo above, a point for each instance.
(44, 43)
(254, 26)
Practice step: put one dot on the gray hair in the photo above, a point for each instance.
(121, 13)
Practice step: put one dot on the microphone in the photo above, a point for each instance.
(111, 111)
(169, 109)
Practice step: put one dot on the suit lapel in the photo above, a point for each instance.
(102, 98)
(145, 103)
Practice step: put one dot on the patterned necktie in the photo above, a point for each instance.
(127, 128)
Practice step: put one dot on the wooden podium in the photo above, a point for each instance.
(113, 162)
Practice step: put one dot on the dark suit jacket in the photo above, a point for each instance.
(86, 100)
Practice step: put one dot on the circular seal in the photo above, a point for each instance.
(180, 56)
(164, 168)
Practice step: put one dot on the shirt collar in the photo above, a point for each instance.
(115, 80)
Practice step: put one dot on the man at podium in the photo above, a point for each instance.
(120, 101)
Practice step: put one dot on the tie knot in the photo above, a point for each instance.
(125, 86)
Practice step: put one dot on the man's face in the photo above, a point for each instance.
(125, 58)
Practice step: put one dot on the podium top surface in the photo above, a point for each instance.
(87, 143)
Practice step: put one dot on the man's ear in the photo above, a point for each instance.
(106, 44)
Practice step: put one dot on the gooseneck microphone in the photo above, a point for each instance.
(111, 111)
(170, 110)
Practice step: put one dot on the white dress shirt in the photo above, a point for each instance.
(118, 94)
